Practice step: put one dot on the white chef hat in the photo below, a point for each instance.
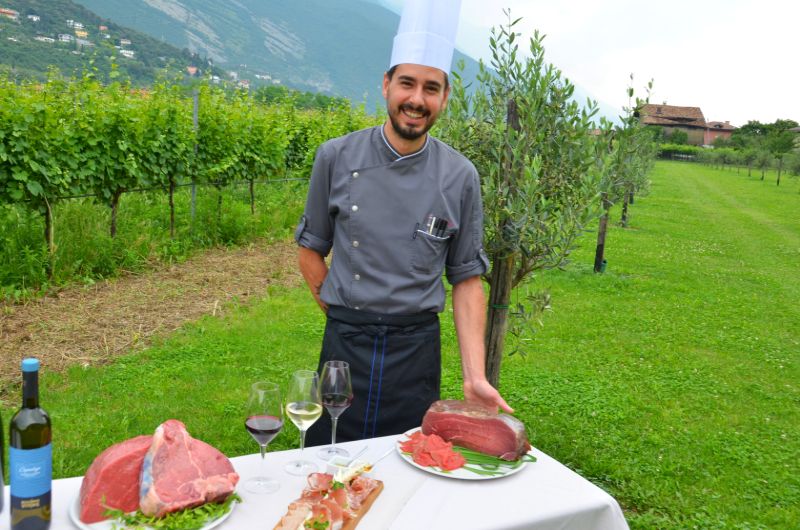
(427, 33)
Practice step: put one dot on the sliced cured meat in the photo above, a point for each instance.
(295, 517)
(475, 428)
(320, 481)
(332, 505)
(181, 472)
(113, 479)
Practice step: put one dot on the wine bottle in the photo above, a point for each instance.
(30, 457)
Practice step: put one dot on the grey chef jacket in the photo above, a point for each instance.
(372, 206)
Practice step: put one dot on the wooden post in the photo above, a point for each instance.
(171, 208)
(195, 121)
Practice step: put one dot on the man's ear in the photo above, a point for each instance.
(386, 81)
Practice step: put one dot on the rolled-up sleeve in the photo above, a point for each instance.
(315, 229)
(465, 257)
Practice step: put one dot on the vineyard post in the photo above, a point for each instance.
(195, 111)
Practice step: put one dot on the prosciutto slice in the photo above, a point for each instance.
(475, 428)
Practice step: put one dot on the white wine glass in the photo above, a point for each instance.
(303, 407)
(337, 394)
(264, 413)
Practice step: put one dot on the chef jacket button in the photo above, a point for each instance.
(355, 244)
(356, 277)
(354, 208)
(355, 174)
(356, 308)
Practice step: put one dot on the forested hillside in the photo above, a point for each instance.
(64, 35)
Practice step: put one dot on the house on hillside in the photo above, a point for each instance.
(672, 118)
(34, 18)
(718, 129)
(9, 13)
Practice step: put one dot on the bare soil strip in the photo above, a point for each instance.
(92, 325)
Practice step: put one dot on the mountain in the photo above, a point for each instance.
(337, 48)
(65, 35)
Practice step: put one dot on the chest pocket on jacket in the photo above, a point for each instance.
(428, 252)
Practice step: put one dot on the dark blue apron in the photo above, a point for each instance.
(395, 366)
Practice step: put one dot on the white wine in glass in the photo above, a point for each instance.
(303, 407)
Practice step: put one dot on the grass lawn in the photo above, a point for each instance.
(672, 380)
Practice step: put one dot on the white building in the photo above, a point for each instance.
(42, 38)
(64, 37)
(34, 18)
(128, 53)
(124, 42)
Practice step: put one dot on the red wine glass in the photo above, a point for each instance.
(264, 414)
(337, 394)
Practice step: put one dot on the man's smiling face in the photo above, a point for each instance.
(415, 95)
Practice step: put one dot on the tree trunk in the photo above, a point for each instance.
(624, 219)
(252, 199)
(762, 173)
(749, 170)
(497, 321)
(780, 167)
(601, 234)
(219, 205)
(502, 276)
(49, 237)
(114, 208)
(172, 208)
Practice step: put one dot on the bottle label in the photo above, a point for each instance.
(30, 471)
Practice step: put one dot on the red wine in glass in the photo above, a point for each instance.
(335, 404)
(264, 420)
(337, 394)
(263, 428)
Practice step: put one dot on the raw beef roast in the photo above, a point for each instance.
(113, 479)
(180, 472)
(473, 427)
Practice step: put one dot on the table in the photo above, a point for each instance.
(545, 495)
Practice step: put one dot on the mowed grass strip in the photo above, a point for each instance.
(671, 380)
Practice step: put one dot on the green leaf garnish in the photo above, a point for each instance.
(191, 519)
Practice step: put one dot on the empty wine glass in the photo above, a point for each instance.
(337, 394)
(264, 412)
(303, 407)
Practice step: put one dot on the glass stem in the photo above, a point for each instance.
(263, 459)
(333, 433)
(302, 442)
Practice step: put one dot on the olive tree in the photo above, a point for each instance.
(533, 147)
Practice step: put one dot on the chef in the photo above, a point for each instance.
(398, 207)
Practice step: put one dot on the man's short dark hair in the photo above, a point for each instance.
(390, 73)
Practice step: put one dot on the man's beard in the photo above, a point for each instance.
(408, 133)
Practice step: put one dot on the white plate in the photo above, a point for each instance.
(75, 510)
(460, 473)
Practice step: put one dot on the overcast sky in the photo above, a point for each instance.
(735, 59)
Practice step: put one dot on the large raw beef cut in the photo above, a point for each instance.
(113, 479)
(475, 428)
(180, 472)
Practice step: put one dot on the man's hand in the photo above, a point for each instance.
(469, 314)
(486, 395)
(314, 270)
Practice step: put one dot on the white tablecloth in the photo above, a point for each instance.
(545, 495)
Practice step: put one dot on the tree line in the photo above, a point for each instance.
(64, 138)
